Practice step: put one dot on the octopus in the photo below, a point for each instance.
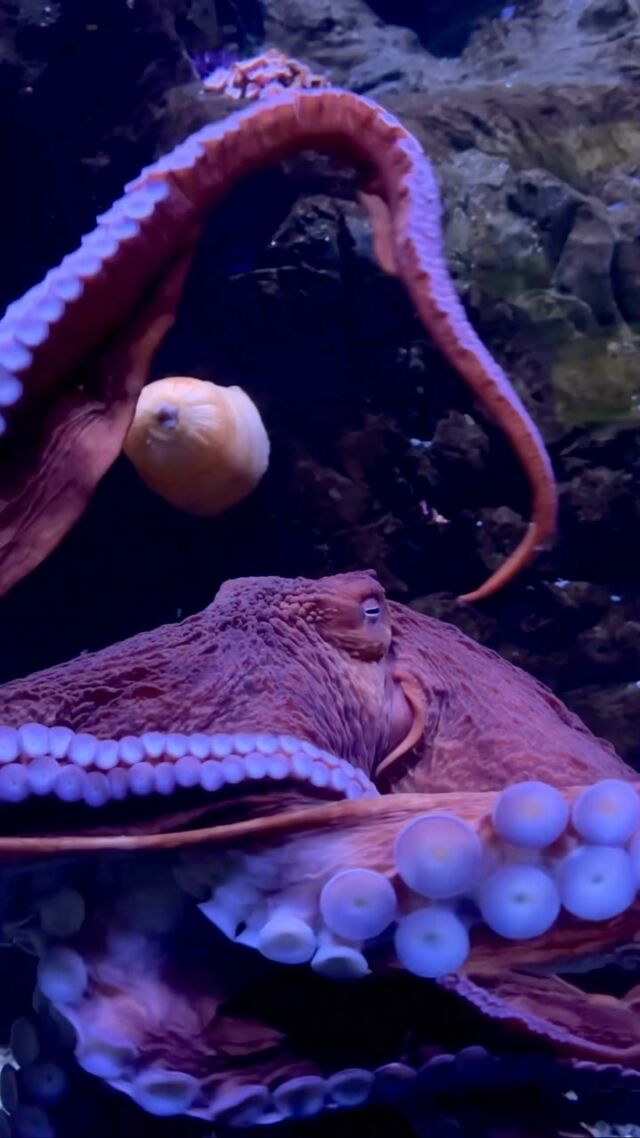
(307, 850)
(76, 349)
(286, 856)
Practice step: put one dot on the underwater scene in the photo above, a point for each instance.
(320, 569)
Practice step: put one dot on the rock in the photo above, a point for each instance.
(601, 515)
(345, 37)
(563, 610)
(593, 373)
(584, 267)
(613, 713)
(609, 650)
(444, 29)
(626, 278)
(461, 446)
(552, 203)
(605, 15)
(331, 495)
(442, 606)
(489, 243)
(115, 60)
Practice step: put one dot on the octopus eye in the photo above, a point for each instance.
(371, 611)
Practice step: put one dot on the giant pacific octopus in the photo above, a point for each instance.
(309, 802)
(77, 348)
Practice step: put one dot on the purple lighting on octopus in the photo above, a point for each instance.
(305, 779)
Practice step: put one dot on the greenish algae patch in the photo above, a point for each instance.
(595, 372)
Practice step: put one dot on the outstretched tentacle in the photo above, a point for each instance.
(518, 870)
(440, 887)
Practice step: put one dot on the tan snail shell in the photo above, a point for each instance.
(200, 446)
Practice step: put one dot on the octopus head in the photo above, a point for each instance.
(313, 659)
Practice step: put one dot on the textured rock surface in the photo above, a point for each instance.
(81, 86)
(380, 458)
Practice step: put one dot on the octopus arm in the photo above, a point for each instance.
(49, 484)
(302, 859)
(588, 1025)
(63, 324)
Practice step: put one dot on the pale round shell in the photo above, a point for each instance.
(200, 446)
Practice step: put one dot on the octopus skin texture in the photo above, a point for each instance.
(290, 854)
(76, 350)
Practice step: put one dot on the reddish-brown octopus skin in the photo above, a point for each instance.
(300, 657)
(332, 662)
(81, 342)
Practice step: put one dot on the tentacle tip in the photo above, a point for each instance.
(489, 588)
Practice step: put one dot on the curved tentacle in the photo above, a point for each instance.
(46, 336)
